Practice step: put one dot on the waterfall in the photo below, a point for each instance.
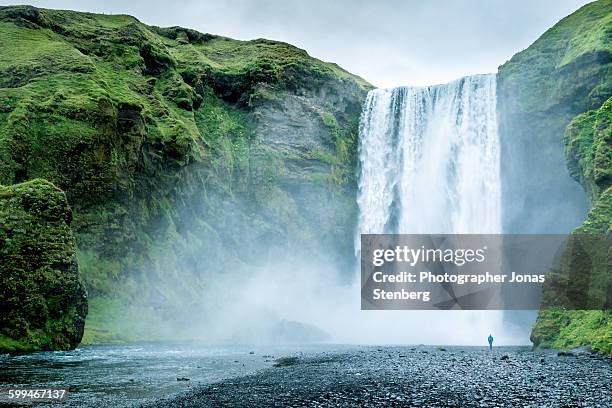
(430, 163)
(429, 159)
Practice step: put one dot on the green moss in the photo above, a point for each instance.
(31, 54)
(155, 83)
(599, 218)
(330, 121)
(592, 37)
(129, 120)
(42, 297)
(137, 322)
(10, 345)
(344, 160)
(561, 83)
(566, 68)
(234, 68)
(588, 141)
(226, 133)
(588, 148)
(566, 329)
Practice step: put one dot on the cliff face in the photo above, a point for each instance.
(588, 140)
(541, 89)
(42, 297)
(559, 86)
(183, 155)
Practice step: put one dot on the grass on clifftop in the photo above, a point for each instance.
(235, 67)
(541, 76)
(69, 77)
(586, 31)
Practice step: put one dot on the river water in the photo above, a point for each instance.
(124, 375)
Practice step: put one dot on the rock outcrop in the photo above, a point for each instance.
(43, 302)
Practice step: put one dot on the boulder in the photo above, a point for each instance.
(42, 297)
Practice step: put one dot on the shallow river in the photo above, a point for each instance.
(122, 375)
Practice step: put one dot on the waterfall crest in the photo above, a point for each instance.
(429, 159)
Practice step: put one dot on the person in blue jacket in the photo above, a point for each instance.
(490, 339)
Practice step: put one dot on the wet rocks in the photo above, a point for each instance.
(582, 351)
(286, 361)
(458, 378)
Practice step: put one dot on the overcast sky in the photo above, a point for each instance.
(387, 42)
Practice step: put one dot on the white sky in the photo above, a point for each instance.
(389, 43)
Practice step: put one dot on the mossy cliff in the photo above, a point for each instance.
(588, 140)
(183, 156)
(43, 301)
(561, 85)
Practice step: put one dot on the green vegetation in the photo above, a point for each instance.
(42, 297)
(235, 68)
(588, 141)
(138, 322)
(591, 36)
(153, 83)
(579, 49)
(154, 135)
(344, 160)
(229, 139)
(566, 329)
(568, 67)
(561, 85)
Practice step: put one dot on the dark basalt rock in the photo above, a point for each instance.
(286, 361)
(381, 379)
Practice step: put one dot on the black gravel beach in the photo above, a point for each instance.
(418, 376)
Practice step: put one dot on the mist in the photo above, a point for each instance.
(287, 288)
(284, 302)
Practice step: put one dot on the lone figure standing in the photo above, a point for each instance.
(490, 340)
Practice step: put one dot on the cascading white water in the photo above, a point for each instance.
(430, 159)
(429, 163)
